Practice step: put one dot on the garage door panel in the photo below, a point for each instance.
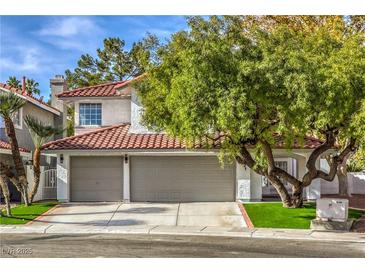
(97, 174)
(96, 178)
(89, 196)
(184, 178)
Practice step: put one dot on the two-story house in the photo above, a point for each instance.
(113, 157)
(36, 107)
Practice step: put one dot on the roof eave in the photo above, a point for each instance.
(154, 150)
(78, 98)
(34, 102)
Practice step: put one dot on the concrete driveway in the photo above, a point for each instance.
(197, 216)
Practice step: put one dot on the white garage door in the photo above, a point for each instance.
(96, 179)
(185, 179)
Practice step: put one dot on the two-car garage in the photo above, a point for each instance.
(152, 179)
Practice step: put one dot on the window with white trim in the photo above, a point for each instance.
(90, 114)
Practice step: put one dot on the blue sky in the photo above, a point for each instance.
(40, 47)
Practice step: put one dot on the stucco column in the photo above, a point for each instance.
(126, 179)
(63, 178)
(243, 183)
(248, 184)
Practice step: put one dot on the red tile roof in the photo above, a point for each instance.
(30, 98)
(119, 137)
(102, 90)
(6, 145)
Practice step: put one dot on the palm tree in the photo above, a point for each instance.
(41, 134)
(31, 87)
(13, 82)
(9, 105)
(5, 191)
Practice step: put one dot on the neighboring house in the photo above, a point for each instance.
(49, 114)
(114, 158)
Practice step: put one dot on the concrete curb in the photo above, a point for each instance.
(42, 215)
(262, 233)
(245, 216)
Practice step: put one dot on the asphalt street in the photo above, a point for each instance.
(133, 246)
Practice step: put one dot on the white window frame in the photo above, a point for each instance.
(79, 113)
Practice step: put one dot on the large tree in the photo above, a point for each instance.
(9, 105)
(338, 26)
(242, 85)
(41, 133)
(113, 62)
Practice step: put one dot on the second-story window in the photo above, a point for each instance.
(90, 114)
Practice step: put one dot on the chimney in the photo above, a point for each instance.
(23, 85)
(58, 85)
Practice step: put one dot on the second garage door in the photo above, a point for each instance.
(96, 179)
(181, 178)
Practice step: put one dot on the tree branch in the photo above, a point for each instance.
(247, 160)
(274, 170)
(312, 172)
(336, 161)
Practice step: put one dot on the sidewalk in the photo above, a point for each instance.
(300, 234)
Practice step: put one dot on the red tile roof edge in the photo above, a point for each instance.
(27, 96)
(6, 145)
(116, 85)
(81, 135)
(127, 82)
(68, 93)
(122, 140)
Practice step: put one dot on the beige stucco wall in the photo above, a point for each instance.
(22, 133)
(136, 113)
(114, 111)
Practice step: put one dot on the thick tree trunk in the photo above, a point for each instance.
(343, 184)
(342, 180)
(282, 191)
(18, 163)
(297, 198)
(5, 190)
(24, 182)
(37, 173)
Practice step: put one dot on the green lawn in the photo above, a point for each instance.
(23, 214)
(274, 215)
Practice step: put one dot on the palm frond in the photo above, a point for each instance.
(39, 131)
(10, 103)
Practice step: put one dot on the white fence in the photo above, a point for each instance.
(47, 188)
(356, 181)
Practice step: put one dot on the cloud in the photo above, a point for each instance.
(67, 27)
(70, 33)
(27, 59)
